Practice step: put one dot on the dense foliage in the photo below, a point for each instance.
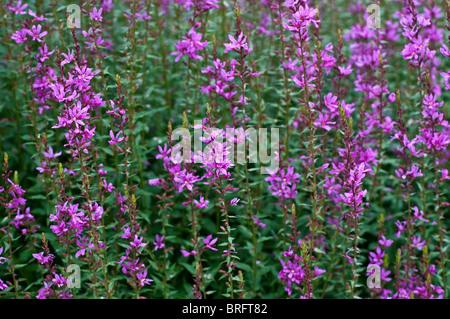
(102, 102)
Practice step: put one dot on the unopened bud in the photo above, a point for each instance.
(185, 120)
(425, 254)
(304, 251)
(382, 218)
(237, 11)
(427, 76)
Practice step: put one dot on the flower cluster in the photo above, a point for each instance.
(104, 185)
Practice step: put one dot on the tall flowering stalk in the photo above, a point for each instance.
(351, 175)
(217, 164)
(76, 118)
(95, 180)
(419, 29)
(302, 16)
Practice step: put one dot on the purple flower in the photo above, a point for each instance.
(331, 186)
(354, 196)
(190, 45)
(187, 254)
(318, 271)
(50, 153)
(377, 256)
(19, 8)
(43, 260)
(401, 228)
(303, 17)
(257, 222)
(60, 228)
(44, 54)
(323, 122)
(350, 259)
(283, 183)
(108, 186)
(345, 70)
(385, 242)
(44, 292)
(234, 201)
(143, 16)
(69, 57)
(59, 280)
(417, 51)
(85, 74)
(142, 277)
(16, 201)
(20, 36)
(384, 274)
(163, 152)
(289, 253)
(96, 14)
(209, 242)
(200, 5)
(3, 286)
(126, 232)
(24, 221)
(36, 33)
(159, 244)
(445, 175)
(392, 97)
(77, 113)
(107, 5)
(446, 76)
(416, 242)
(289, 65)
(131, 266)
(2, 259)
(292, 273)
(101, 171)
(84, 244)
(202, 203)
(419, 215)
(115, 139)
(185, 179)
(59, 93)
(154, 181)
(237, 45)
(137, 243)
(36, 18)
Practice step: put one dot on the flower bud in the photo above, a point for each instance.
(16, 178)
(185, 120)
(61, 171)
